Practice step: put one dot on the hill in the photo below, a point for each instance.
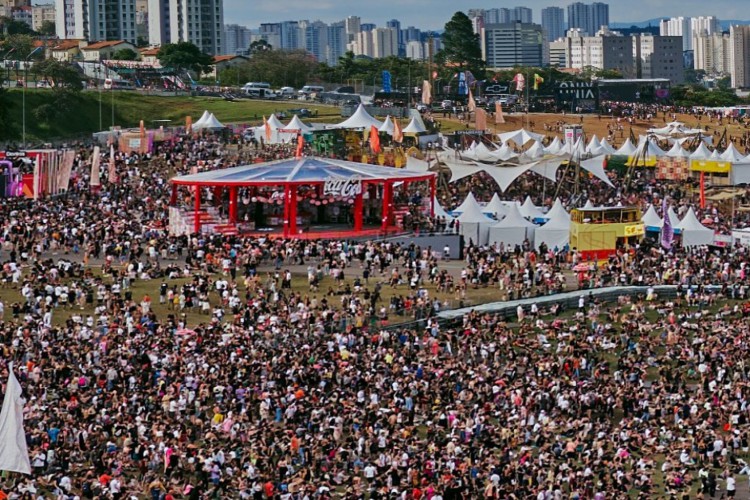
(129, 108)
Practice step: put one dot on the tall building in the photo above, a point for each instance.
(384, 42)
(352, 27)
(42, 13)
(659, 57)
(271, 34)
(200, 22)
(512, 44)
(415, 50)
(236, 38)
(739, 37)
(553, 22)
(520, 15)
(588, 18)
(558, 51)
(396, 25)
(606, 51)
(705, 24)
(678, 26)
(96, 20)
(712, 53)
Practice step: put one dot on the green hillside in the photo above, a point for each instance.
(131, 107)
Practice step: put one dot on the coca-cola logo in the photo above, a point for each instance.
(342, 187)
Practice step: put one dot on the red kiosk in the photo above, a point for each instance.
(316, 182)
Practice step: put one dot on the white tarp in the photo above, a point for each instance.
(14, 454)
(693, 232)
(740, 173)
(554, 147)
(505, 176)
(548, 168)
(627, 149)
(496, 207)
(416, 164)
(512, 230)
(529, 210)
(556, 232)
(460, 169)
(360, 119)
(296, 124)
(534, 152)
(520, 137)
(595, 166)
(652, 219)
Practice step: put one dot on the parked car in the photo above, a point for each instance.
(345, 90)
(286, 92)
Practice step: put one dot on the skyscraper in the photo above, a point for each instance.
(200, 22)
(521, 15)
(96, 20)
(396, 25)
(589, 18)
(599, 15)
(553, 22)
(739, 37)
(236, 38)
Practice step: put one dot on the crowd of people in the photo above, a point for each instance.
(207, 366)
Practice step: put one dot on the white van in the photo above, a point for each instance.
(311, 89)
(286, 92)
(256, 85)
(260, 93)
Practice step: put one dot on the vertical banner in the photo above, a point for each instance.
(667, 231)
(37, 180)
(63, 179)
(426, 92)
(499, 118)
(703, 190)
(472, 103)
(462, 89)
(481, 119)
(112, 169)
(387, 82)
(95, 182)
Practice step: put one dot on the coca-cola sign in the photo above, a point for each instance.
(342, 187)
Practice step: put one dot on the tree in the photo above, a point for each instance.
(184, 56)
(13, 27)
(47, 28)
(280, 68)
(66, 89)
(125, 55)
(8, 130)
(22, 45)
(260, 46)
(461, 50)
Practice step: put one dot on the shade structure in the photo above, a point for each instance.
(440, 211)
(731, 154)
(593, 144)
(547, 167)
(460, 169)
(627, 149)
(360, 119)
(740, 172)
(387, 126)
(520, 137)
(496, 207)
(507, 175)
(512, 230)
(535, 151)
(693, 232)
(470, 204)
(211, 123)
(677, 151)
(554, 147)
(701, 153)
(414, 127)
(202, 119)
(595, 166)
(529, 210)
(274, 122)
(337, 179)
(647, 148)
(715, 155)
(474, 225)
(555, 233)
(296, 124)
(651, 219)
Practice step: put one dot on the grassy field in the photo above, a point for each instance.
(131, 107)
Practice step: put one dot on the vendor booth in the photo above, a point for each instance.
(598, 232)
(325, 197)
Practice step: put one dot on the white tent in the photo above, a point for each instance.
(296, 124)
(520, 137)
(554, 147)
(460, 169)
(496, 207)
(673, 218)
(693, 232)
(588, 205)
(414, 127)
(548, 167)
(474, 225)
(440, 211)
(715, 155)
(701, 153)
(512, 230)
(387, 126)
(211, 123)
(595, 166)
(627, 149)
(731, 154)
(647, 148)
(274, 122)
(556, 232)
(202, 119)
(360, 119)
(529, 210)
(652, 219)
(505, 176)
(535, 151)
(678, 151)
(593, 144)
(606, 148)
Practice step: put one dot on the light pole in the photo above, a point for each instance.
(99, 86)
(5, 63)
(23, 90)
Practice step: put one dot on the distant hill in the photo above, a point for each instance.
(725, 24)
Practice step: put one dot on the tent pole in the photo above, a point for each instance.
(197, 210)
(233, 205)
(292, 211)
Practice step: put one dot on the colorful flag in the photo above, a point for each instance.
(703, 190)
(462, 89)
(667, 231)
(374, 140)
(520, 82)
(426, 93)
(499, 118)
(398, 133)
(386, 75)
(95, 158)
(188, 124)
(14, 455)
(538, 80)
(112, 170)
(472, 102)
(300, 144)
(267, 127)
(481, 119)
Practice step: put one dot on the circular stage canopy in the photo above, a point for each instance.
(301, 171)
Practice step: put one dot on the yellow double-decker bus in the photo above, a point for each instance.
(598, 232)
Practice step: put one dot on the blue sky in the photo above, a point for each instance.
(433, 14)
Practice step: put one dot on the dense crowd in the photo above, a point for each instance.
(254, 382)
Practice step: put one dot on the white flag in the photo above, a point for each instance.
(14, 455)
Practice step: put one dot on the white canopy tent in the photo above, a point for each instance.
(414, 127)
(520, 137)
(360, 119)
(593, 144)
(693, 232)
(529, 210)
(387, 126)
(627, 149)
(534, 152)
(554, 147)
(677, 151)
(701, 153)
(512, 230)
(296, 124)
(474, 225)
(211, 123)
(731, 154)
(202, 119)
(440, 211)
(555, 233)
(674, 219)
(652, 219)
(496, 207)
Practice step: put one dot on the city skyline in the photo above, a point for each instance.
(433, 14)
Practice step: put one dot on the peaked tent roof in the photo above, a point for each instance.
(520, 137)
(296, 124)
(558, 218)
(414, 127)
(472, 212)
(529, 210)
(440, 211)
(535, 151)
(203, 118)
(731, 154)
(715, 155)
(496, 206)
(651, 218)
(606, 147)
(387, 126)
(701, 153)
(211, 123)
(673, 218)
(274, 122)
(588, 204)
(678, 151)
(627, 148)
(593, 144)
(691, 223)
(554, 147)
(360, 119)
(514, 218)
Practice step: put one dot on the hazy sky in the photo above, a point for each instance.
(433, 14)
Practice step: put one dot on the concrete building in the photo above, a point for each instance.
(739, 37)
(352, 27)
(606, 51)
(712, 53)
(558, 53)
(512, 44)
(200, 22)
(521, 15)
(96, 20)
(688, 28)
(553, 22)
(40, 14)
(659, 57)
(236, 39)
(588, 18)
